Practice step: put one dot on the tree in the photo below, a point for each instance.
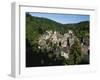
(75, 53)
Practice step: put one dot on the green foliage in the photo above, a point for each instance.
(75, 53)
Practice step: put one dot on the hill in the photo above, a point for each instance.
(36, 26)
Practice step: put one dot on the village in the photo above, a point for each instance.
(60, 44)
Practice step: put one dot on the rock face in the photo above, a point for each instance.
(58, 43)
(85, 45)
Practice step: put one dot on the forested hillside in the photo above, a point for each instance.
(36, 26)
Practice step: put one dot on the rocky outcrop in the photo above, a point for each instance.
(58, 43)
